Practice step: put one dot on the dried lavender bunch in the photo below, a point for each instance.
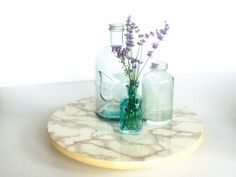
(132, 62)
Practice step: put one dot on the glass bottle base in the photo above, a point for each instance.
(158, 123)
(131, 132)
(106, 115)
(109, 111)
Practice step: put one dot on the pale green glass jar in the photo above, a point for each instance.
(157, 94)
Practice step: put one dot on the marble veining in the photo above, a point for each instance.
(77, 129)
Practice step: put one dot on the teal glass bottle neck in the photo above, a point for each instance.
(132, 90)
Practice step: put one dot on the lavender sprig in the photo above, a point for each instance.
(160, 35)
(130, 63)
(130, 28)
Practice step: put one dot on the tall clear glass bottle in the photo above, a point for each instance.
(110, 80)
(157, 94)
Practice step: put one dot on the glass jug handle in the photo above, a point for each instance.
(109, 95)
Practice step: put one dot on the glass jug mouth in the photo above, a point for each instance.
(116, 27)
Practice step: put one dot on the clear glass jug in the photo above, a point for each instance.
(110, 79)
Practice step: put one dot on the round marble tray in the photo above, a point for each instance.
(77, 132)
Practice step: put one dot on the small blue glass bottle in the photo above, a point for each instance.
(131, 115)
(157, 94)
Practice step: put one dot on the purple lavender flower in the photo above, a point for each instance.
(134, 65)
(130, 27)
(129, 39)
(146, 36)
(149, 53)
(154, 45)
(131, 63)
(139, 43)
(152, 34)
(134, 62)
(159, 35)
(165, 29)
(143, 41)
(137, 30)
(133, 25)
(128, 19)
(123, 53)
(140, 35)
(116, 48)
(120, 52)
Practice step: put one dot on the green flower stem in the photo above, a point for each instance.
(136, 71)
(126, 69)
(141, 52)
(142, 69)
(133, 72)
(138, 52)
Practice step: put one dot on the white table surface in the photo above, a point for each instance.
(26, 152)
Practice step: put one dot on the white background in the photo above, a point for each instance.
(54, 41)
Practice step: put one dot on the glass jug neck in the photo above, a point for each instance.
(116, 38)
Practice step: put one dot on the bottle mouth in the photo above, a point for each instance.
(116, 27)
(129, 86)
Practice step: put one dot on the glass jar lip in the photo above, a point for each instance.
(159, 64)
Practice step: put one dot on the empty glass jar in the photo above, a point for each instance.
(157, 94)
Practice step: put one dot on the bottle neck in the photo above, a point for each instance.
(132, 90)
(116, 38)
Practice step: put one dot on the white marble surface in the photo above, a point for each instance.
(76, 128)
(25, 150)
